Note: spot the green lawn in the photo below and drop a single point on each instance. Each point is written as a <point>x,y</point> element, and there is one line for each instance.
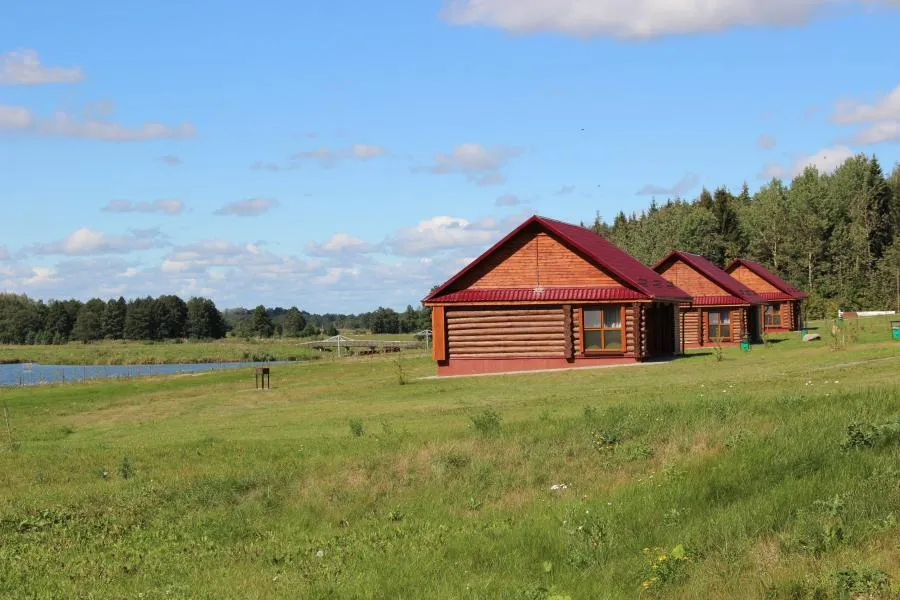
<point>134,353</point>
<point>342,483</point>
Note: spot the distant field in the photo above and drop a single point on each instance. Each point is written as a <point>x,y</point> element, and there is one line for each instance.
<point>133,353</point>
<point>770,474</point>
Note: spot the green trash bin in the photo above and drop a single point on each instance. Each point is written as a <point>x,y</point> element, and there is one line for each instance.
<point>895,330</point>
<point>745,344</point>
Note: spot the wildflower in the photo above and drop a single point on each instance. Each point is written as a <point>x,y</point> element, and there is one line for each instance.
<point>662,558</point>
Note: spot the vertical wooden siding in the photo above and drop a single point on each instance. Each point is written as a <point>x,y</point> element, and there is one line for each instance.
<point>690,280</point>
<point>536,260</point>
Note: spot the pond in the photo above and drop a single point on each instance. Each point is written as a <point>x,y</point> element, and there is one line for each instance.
<point>34,373</point>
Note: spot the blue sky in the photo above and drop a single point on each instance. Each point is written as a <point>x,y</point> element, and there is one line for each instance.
<point>339,155</point>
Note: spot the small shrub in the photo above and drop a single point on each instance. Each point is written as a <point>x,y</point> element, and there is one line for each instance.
<point>718,351</point>
<point>605,441</point>
<point>666,568</point>
<point>457,460</point>
<point>863,583</point>
<point>125,469</point>
<point>868,435</point>
<point>356,427</point>
<point>400,370</point>
<point>487,422</point>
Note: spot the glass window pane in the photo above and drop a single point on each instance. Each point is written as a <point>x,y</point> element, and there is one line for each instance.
<point>725,317</point>
<point>713,319</point>
<point>593,340</point>
<point>725,331</point>
<point>592,319</point>
<point>612,317</point>
<point>613,340</point>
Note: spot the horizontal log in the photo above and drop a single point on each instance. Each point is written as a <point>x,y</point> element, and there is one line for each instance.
<point>452,314</point>
<point>517,315</point>
<point>517,355</point>
<point>531,326</point>
<point>516,321</point>
<point>513,344</point>
<point>505,335</point>
<point>508,351</point>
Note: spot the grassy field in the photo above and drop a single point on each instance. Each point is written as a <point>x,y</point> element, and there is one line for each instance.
<point>770,474</point>
<point>142,353</point>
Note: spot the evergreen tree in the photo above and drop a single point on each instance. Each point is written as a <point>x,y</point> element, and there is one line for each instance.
<point>170,314</point>
<point>89,323</point>
<point>204,321</point>
<point>261,322</point>
<point>114,319</point>
<point>139,320</point>
<point>293,322</point>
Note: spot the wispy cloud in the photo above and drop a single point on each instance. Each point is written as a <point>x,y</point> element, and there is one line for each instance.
<point>328,157</point>
<point>825,160</point>
<point>564,190</point>
<point>766,142</point>
<point>340,243</point>
<point>685,184</point>
<point>508,200</point>
<point>880,119</point>
<point>168,207</point>
<point>22,120</point>
<point>639,20</point>
<point>170,160</point>
<point>482,164</point>
<point>85,241</point>
<point>23,67</point>
<point>251,207</point>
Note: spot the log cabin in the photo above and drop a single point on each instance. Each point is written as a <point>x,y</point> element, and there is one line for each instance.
<point>722,309</point>
<point>551,295</point>
<point>783,302</point>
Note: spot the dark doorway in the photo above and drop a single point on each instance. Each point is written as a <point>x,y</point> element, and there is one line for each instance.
<point>754,328</point>
<point>660,330</point>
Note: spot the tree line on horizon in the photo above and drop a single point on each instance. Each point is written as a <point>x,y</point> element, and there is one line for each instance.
<point>27,321</point>
<point>836,236</point>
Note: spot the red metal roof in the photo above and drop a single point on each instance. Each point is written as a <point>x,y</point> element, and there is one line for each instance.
<point>775,296</point>
<point>719,301</point>
<point>781,284</point>
<point>596,294</point>
<point>714,274</point>
<point>602,253</point>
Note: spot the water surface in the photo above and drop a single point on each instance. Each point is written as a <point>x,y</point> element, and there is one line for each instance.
<point>34,373</point>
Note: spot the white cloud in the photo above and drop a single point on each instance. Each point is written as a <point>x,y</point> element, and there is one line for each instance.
<point>880,119</point>
<point>4,253</point>
<point>85,241</point>
<point>686,183</point>
<point>251,207</point>
<point>825,160</point>
<point>15,117</point>
<point>508,200</point>
<point>168,207</point>
<point>23,67</point>
<point>766,142</point>
<point>328,157</point>
<point>443,233</point>
<point>340,243</point>
<point>64,125</point>
<point>482,164</point>
<point>564,190</point>
<point>637,19</point>
<point>336,275</point>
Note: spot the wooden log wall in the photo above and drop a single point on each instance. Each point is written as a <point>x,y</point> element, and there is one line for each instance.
<point>641,316</point>
<point>512,332</point>
<point>631,329</point>
<point>691,326</point>
<point>677,318</point>
<point>438,334</point>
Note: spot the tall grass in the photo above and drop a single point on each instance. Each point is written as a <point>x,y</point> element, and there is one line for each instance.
<point>773,474</point>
